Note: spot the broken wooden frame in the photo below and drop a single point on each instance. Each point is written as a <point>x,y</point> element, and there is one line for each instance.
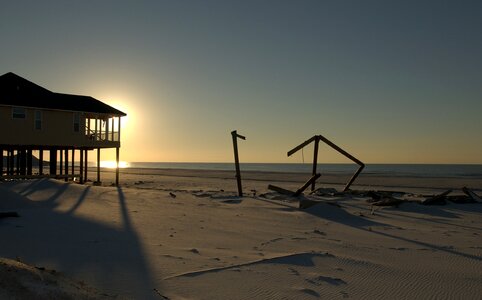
<point>235,136</point>
<point>316,139</point>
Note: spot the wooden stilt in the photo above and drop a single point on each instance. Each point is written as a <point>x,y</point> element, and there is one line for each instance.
<point>1,162</point>
<point>29,157</point>
<point>117,166</point>
<point>12,162</point>
<point>61,165</point>
<point>53,161</point>
<point>98,165</point>
<point>81,166</point>
<point>19,162</point>
<point>86,165</point>
<point>41,161</point>
<point>7,160</point>
<point>66,152</point>
<point>73,162</point>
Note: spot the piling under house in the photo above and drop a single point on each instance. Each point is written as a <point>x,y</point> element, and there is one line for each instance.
<point>57,127</point>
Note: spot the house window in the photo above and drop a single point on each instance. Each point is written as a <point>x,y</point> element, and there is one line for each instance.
<point>38,120</point>
<point>76,122</point>
<point>18,113</point>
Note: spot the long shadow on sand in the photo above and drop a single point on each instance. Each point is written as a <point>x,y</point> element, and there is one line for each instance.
<point>103,255</point>
<point>427,245</point>
<point>339,215</point>
<point>434,218</point>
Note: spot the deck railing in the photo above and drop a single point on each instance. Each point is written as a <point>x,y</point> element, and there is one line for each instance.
<point>103,136</point>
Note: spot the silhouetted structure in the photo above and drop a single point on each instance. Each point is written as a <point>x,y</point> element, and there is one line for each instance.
<point>33,118</point>
<point>316,139</point>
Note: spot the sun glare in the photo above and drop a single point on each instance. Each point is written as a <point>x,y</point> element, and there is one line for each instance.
<point>110,164</point>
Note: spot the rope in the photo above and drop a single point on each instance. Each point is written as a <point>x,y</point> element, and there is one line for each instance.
<point>302,155</point>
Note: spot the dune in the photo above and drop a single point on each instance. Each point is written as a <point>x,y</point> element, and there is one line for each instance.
<point>184,235</point>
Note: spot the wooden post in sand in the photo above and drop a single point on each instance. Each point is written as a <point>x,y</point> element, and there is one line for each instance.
<point>235,137</point>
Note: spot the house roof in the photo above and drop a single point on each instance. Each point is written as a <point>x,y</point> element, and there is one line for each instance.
<point>18,91</point>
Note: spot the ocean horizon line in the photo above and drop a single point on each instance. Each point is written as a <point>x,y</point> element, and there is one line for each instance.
<point>409,170</point>
<point>297,163</point>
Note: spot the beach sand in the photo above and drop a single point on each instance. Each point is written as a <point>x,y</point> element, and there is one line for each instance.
<point>181,234</point>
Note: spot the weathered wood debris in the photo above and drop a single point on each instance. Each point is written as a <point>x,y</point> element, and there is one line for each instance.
<point>378,198</point>
<point>316,140</point>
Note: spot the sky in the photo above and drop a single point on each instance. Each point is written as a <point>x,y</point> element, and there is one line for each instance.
<point>388,81</point>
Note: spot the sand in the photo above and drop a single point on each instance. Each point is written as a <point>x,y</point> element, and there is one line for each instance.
<point>178,234</point>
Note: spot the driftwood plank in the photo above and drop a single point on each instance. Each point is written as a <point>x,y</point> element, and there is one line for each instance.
<point>308,183</point>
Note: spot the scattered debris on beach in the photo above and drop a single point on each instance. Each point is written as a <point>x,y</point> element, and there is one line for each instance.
<point>316,139</point>
<point>374,198</point>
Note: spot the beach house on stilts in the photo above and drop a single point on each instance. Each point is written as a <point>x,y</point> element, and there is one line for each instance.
<point>55,126</point>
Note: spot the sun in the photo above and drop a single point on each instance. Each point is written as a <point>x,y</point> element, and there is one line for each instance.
<point>110,164</point>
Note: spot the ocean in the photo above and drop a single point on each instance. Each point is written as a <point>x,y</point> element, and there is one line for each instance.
<point>408,170</point>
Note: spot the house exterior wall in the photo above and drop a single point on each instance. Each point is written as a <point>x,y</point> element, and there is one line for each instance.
<point>57,130</point>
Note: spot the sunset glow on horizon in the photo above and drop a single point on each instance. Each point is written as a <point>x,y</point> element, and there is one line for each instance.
<point>111,164</point>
